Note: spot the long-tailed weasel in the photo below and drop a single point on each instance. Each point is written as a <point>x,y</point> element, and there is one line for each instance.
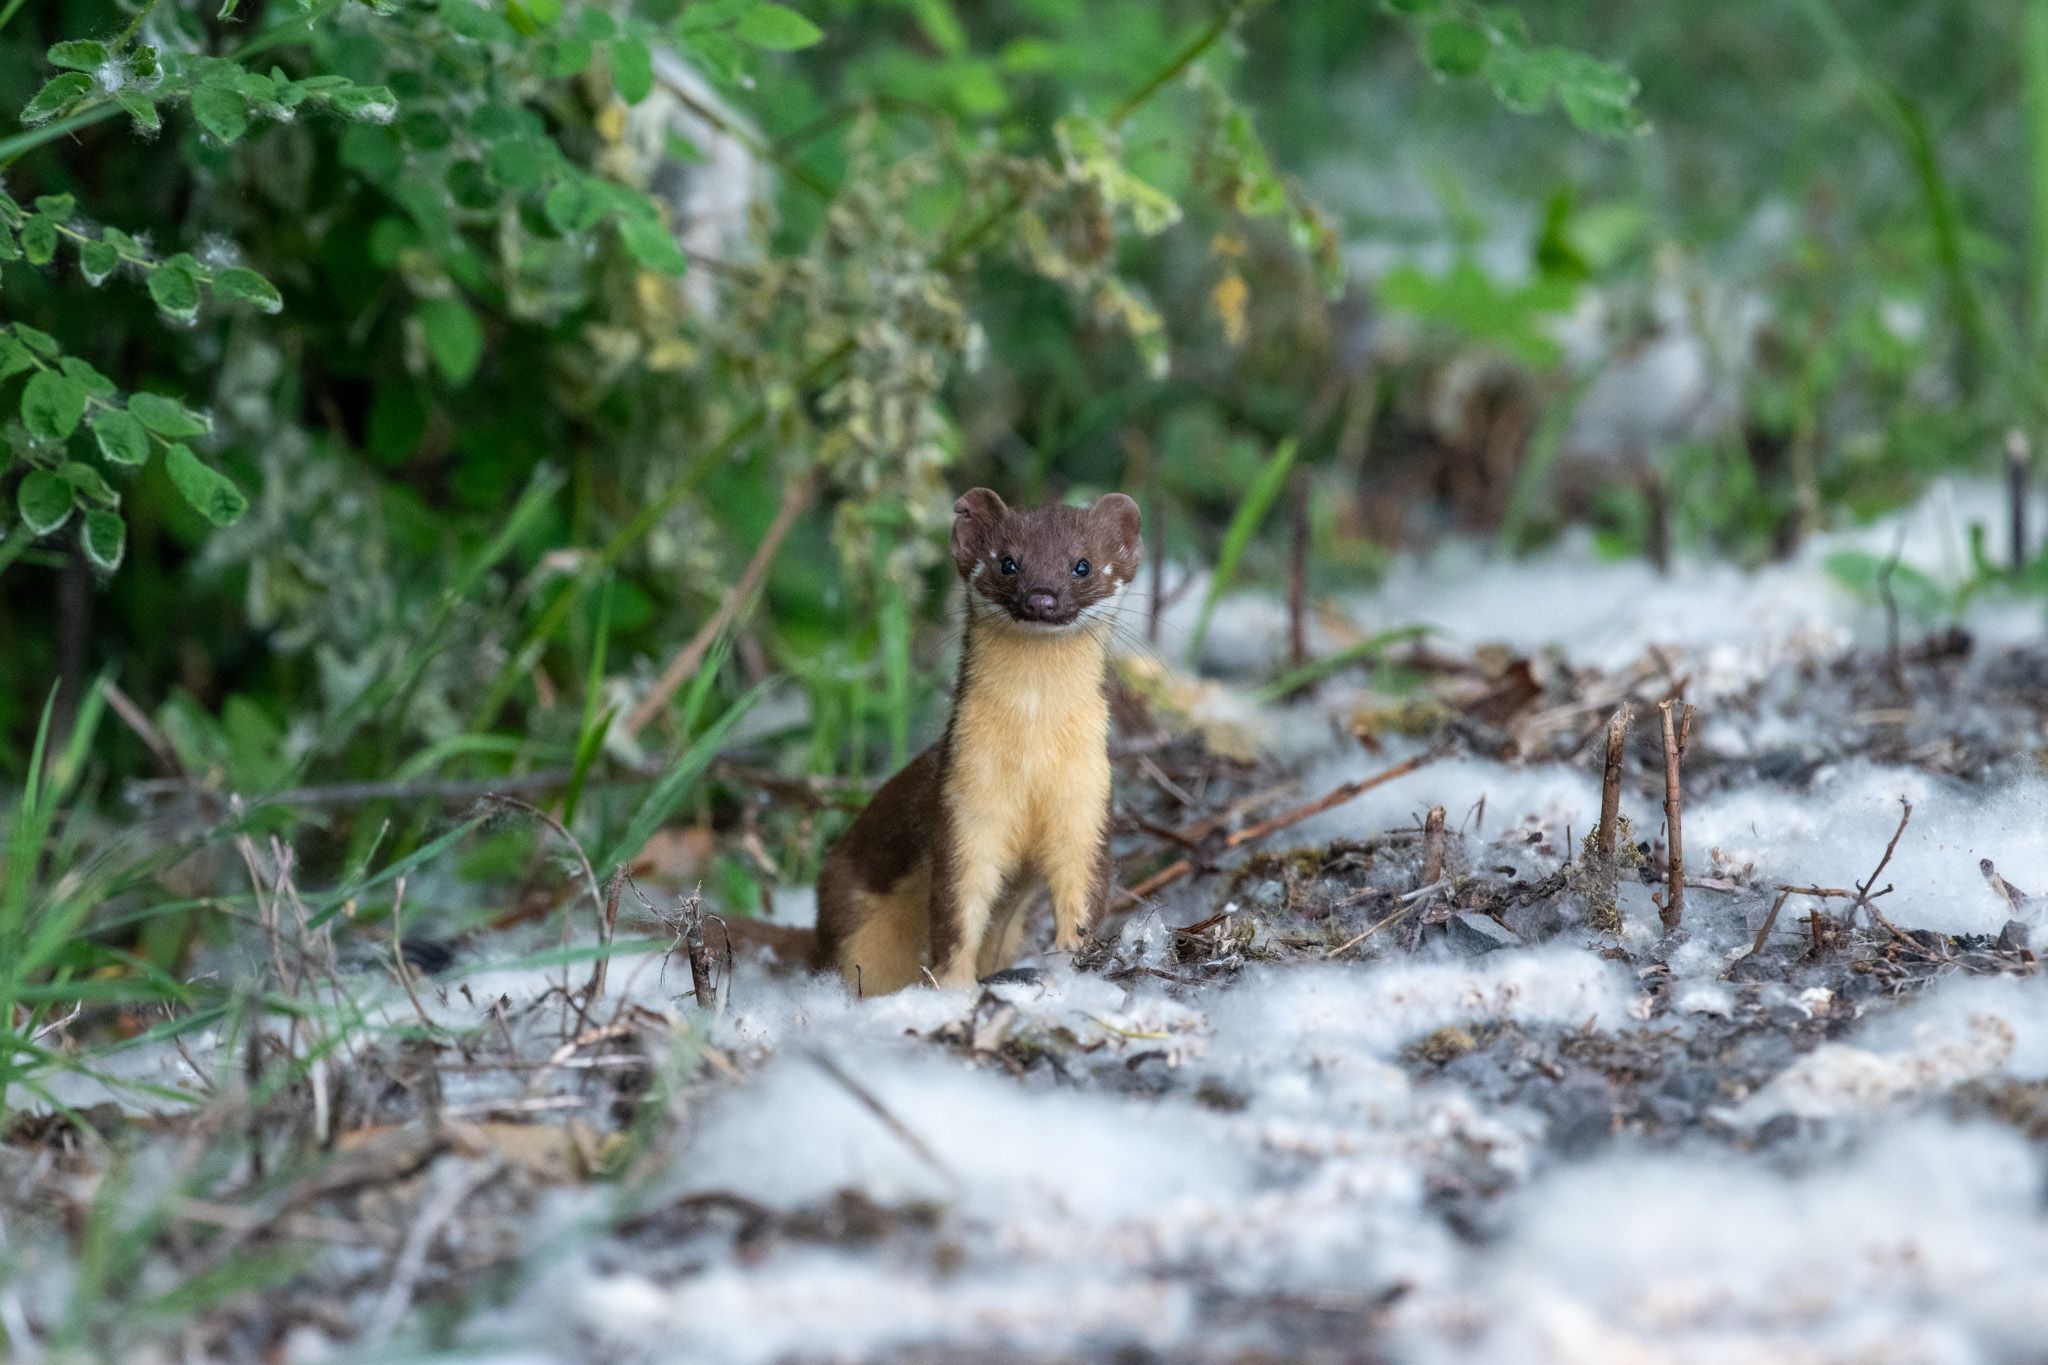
<point>931,874</point>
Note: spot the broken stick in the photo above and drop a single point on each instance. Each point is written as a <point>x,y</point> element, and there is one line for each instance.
<point>1677,719</point>
<point>1601,905</point>
<point>1433,846</point>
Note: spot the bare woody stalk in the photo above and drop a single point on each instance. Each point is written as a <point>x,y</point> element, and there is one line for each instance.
<point>1600,896</point>
<point>1677,721</point>
<point>1433,846</point>
<point>700,956</point>
<point>737,601</point>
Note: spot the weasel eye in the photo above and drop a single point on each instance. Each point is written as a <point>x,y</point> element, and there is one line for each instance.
<point>1080,568</point>
<point>1009,564</point>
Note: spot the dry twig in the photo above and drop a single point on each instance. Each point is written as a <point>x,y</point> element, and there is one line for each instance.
<point>1336,796</point>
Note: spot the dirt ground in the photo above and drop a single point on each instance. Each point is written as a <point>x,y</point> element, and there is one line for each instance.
<point>1384,1078</point>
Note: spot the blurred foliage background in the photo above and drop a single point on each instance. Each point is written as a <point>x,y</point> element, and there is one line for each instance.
<point>400,391</point>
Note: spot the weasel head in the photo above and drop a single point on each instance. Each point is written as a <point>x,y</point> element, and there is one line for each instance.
<point>1045,569</point>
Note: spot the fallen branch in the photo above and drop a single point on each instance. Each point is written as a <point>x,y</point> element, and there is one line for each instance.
<point>1181,868</point>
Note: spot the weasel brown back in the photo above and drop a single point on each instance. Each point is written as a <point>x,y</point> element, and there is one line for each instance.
<point>930,875</point>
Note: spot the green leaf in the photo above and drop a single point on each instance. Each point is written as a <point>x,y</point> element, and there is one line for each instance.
<point>140,108</point>
<point>42,343</point>
<point>777,27</point>
<point>51,405</point>
<point>1258,500</point>
<point>44,501</point>
<point>59,94</point>
<point>121,438</point>
<point>571,55</point>
<point>521,162</point>
<point>39,240</point>
<point>89,483</point>
<point>455,339</point>
<point>1453,47</point>
<point>531,16</point>
<point>105,538</point>
<point>221,110</point>
<point>246,286</point>
<point>651,245</point>
<point>370,103</point>
<point>86,377</point>
<point>211,493</point>
<point>80,54</point>
<point>97,260</point>
<point>572,206</point>
<point>475,22</point>
<point>10,248</point>
<point>1600,98</point>
<point>632,70</point>
<point>14,357</point>
<point>167,417</point>
<point>175,289</point>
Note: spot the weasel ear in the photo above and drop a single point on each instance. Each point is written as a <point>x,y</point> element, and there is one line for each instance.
<point>1117,516</point>
<point>976,514</point>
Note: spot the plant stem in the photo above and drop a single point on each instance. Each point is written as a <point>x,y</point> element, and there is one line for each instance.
<point>2034,58</point>
<point>1187,57</point>
<point>21,144</point>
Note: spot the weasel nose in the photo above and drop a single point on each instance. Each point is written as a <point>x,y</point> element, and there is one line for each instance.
<point>1041,603</point>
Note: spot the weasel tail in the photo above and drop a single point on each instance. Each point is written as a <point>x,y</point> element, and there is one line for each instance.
<point>930,878</point>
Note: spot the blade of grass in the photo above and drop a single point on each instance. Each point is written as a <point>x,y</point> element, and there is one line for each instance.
<point>1902,118</point>
<point>1365,651</point>
<point>24,858</point>
<point>331,903</point>
<point>1258,500</point>
<point>391,693</point>
<point>675,785</point>
<point>2034,58</point>
<point>1544,445</point>
<point>597,718</point>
